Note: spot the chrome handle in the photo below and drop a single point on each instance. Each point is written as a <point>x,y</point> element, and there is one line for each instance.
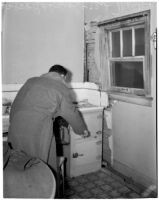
<point>75,155</point>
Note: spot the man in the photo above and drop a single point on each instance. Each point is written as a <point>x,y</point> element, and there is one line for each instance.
<point>39,101</point>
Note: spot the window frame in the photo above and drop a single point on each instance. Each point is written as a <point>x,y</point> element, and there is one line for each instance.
<point>134,21</point>
<point>128,90</point>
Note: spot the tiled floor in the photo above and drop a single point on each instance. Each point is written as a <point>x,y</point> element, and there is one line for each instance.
<point>102,184</point>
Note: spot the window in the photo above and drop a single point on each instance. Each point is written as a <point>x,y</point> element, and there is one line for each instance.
<point>127,74</point>
<point>128,54</point>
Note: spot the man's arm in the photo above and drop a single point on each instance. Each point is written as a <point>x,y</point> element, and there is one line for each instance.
<point>71,114</point>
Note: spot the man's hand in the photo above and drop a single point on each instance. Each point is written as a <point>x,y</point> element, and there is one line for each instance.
<point>86,133</point>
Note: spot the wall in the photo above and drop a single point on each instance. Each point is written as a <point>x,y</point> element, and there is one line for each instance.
<point>37,35</point>
<point>93,73</point>
<point>133,126</point>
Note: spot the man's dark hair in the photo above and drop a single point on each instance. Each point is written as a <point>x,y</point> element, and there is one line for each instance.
<point>59,69</point>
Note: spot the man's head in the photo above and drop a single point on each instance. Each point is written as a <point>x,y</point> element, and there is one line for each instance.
<point>59,69</point>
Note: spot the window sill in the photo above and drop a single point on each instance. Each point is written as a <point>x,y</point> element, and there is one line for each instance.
<point>129,98</point>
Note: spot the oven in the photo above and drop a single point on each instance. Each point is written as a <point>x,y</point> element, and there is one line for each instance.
<point>84,155</point>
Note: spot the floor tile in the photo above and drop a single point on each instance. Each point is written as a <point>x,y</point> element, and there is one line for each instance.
<point>103,196</point>
<point>86,194</point>
<point>116,185</point>
<point>134,195</point>
<point>99,182</point>
<point>90,185</point>
<point>93,177</point>
<point>96,191</point>
<point>82,180</point>
<point>124,189</point>
<point>74,197</point>
<point>114,194</point>
<point>79,188</point>
<point>99,185</point>
<point>106,187</point>
<point>109,179</point>
<point>69,192</point>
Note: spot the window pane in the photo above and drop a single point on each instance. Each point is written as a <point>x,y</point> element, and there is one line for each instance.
<point>116,44</point>
<point>127,43</point>
<point>127,74</point>
<point>139,41</point>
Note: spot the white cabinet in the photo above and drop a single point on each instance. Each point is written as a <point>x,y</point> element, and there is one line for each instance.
<point>84,155</point>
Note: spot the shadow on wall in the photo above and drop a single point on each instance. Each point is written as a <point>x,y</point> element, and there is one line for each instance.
<point>107,146</point>
<point>69,76</point>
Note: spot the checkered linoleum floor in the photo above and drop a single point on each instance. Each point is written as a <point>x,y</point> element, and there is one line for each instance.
<point>102,184</point>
